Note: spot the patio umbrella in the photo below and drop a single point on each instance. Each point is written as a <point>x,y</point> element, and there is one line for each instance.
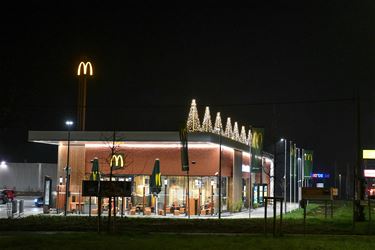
<point>94,176</point>
<point>155,179</point>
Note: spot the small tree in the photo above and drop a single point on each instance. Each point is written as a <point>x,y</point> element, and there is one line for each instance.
<point>114,144</point>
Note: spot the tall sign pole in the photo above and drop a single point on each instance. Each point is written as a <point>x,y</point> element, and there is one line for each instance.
<point>359,194</point>
<point>185,160</point>
<point>67,170</point>
<point>84,70</point>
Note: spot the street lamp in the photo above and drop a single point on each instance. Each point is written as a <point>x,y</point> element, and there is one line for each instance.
<point>165,195</point>
<point>340,186</point>
<point>219,176</point>
<point>285,142</point>
<point>3,165</point>
<point>212,197</point>
<point>58,193</point>
<point>69,124</point>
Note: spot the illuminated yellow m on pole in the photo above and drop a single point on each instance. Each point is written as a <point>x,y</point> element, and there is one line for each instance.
<point>158,179</point>
<point>118,161</point>
<point>85,66</point>
<point>308,157</point>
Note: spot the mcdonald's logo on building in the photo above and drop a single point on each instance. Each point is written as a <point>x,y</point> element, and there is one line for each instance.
<point>308,157</point>
<point>87,68</point>
<point>117,161</point>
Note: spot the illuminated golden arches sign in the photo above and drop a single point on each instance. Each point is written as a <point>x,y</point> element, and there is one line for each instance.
<point>117,161</point>
<point>308,157</point>
<point>86,66</point>
<point>257,140</point>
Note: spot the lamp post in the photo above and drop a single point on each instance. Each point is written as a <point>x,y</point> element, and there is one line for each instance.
<point>69,124</point>
<point>340,186</point>
<point>285,141</point>
<point>165,196</point>
<point>212,197</point>
<point>58,193</point>
<point>219,176</point>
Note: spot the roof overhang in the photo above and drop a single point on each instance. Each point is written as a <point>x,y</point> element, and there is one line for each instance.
<point>131,137</point>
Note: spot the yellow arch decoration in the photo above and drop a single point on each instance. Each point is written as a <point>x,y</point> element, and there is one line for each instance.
<point>85,66</point>
<point>117,159</point>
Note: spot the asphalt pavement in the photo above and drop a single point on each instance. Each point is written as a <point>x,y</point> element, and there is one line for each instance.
<point>29,207</point>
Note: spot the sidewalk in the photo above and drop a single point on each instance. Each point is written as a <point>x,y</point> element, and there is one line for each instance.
<point>254,213</point>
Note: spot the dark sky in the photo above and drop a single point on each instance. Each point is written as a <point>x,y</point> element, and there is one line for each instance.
<point>291,68</point>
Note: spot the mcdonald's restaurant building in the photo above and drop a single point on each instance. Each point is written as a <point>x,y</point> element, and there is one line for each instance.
<point>137,152</point>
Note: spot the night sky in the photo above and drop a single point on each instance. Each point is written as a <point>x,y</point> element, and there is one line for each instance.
<point>292,69</point>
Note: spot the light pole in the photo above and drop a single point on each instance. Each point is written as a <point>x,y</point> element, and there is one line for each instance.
<point>219,176</point>
<point>58,193</point>
<point>340,186</point>
<point>285,141</point>
<point>165,196</point>
<point>212,197</point>
<point>69,124</point>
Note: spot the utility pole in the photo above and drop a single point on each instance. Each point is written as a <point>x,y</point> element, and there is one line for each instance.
<point>359,194</point>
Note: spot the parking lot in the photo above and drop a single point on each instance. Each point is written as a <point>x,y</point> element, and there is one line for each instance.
<point>29,207</point>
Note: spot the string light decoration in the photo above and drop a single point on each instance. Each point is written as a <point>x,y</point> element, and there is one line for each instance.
<point>243,135</point>
<point>218,124</point>
<point>228,129</point>
<point>207,124</point>
<point>193,123</point>
<point>236,134</point>
<point>249,137</point>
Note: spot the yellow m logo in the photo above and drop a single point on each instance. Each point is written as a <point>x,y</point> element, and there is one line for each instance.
<point>157,180</point>
<point>257,140</point>
<point>85,66</point>
<point>308,157</point>
<point>117,161</point>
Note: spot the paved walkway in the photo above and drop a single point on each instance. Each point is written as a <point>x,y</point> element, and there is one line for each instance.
<point>254,213</point>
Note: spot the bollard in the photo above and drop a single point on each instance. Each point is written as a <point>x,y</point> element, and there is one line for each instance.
<point>20,208</point>
<point>14,207</point>
<point>9,210</point>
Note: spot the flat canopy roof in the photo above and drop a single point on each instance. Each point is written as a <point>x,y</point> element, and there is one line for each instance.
<point>97,137</point>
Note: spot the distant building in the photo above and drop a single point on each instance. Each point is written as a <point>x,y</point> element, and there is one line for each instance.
<point>27,177</point>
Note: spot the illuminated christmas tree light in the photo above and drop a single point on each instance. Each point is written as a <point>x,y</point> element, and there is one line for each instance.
<point>218,124</point>
<point>228,129</point>
<point>193,123</point>
<point>207,124</point>
<point>236,134</point>
<point>249,136</point>
<point>243,135</point>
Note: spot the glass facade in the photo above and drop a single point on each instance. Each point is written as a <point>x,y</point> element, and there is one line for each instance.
<point>202,196</point>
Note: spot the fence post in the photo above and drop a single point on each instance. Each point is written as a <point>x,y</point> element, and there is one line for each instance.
<point>281,215</point>
<point>265,216</point>
<point>274,217</point>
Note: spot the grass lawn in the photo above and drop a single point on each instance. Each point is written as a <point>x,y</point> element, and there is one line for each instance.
<point>340,224</point>
<point>86,240</point>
